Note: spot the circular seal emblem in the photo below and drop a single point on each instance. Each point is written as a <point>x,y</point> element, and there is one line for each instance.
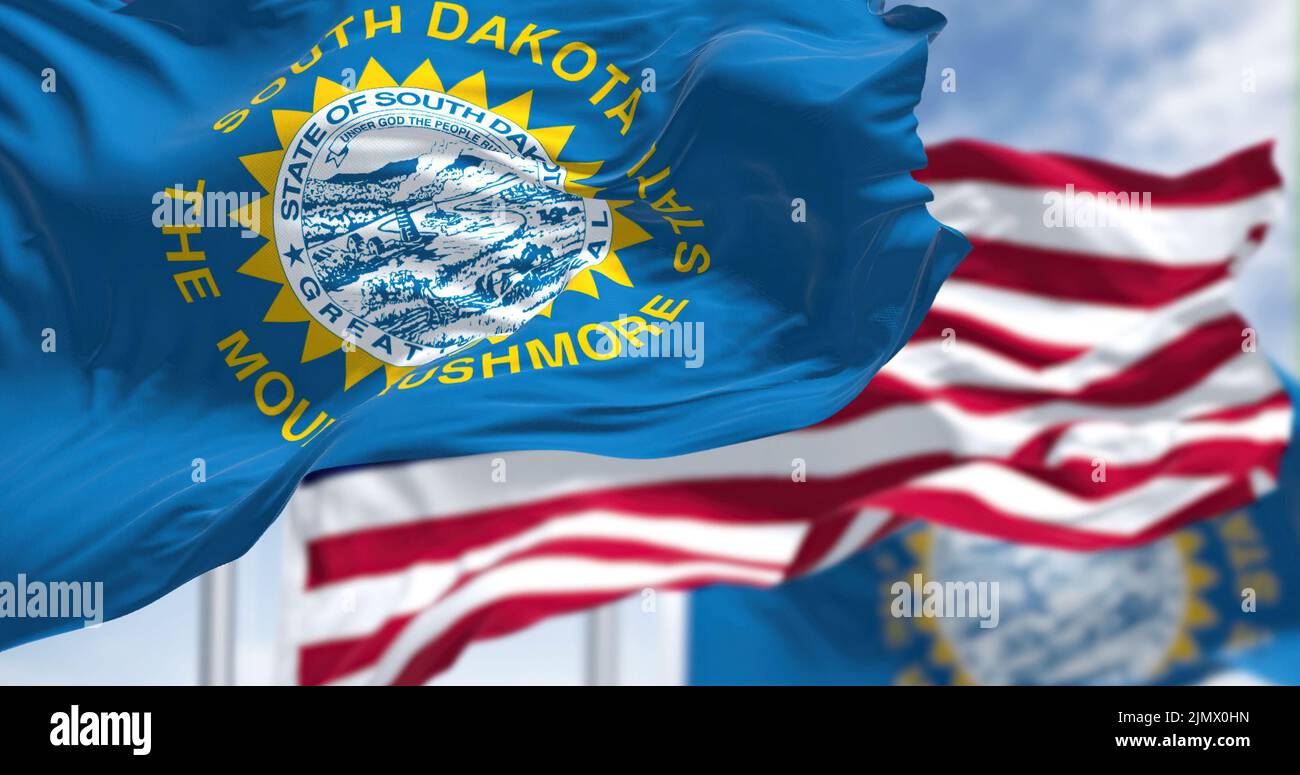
<point>1066,617</point>
<point>413,224</point>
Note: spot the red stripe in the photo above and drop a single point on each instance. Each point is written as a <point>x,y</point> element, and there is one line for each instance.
<point>493,621</point>
<point>1084,278</point>
<point>825,537</point>
<point>821,539</point>
<point>1034,353</point>
<point>1243,174</point>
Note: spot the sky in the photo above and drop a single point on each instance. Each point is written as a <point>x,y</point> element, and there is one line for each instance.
<point>1165,86</point>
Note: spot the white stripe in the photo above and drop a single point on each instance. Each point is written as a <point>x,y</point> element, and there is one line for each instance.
<point>936,363</point>
<point>673,614</point>
<point>855,536</point>
<point>359,606</point>
<point>1125,444</point>
<point>403,493</point>
<point>1025,497</point>
<point>547,576</point>
<point>1171,236</point>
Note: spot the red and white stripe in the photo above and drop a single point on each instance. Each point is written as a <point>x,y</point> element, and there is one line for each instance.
<point>1050,350</point>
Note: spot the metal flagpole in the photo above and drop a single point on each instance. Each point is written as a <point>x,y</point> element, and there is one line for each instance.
<point>602,646</point>
<point>217,626</point>
<point>672,613</point>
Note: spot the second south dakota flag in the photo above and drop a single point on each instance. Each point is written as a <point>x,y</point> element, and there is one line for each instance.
<point>244,241</point>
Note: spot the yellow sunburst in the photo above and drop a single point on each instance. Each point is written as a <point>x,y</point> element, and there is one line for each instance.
<point>1197,613</point>
<point>941,652</point>
<point>264,264</point>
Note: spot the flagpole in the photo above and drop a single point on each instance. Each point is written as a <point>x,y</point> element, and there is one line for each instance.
<point>602,646</point>
<point>673,614</point>
<point>217,626</point>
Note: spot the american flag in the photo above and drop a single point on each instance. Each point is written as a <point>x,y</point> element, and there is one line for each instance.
<point>1082,381</point>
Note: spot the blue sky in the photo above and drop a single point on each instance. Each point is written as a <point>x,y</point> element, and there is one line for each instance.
<point>1153,85</point>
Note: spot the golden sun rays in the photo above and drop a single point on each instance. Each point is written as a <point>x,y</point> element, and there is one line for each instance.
<point>264,264</point>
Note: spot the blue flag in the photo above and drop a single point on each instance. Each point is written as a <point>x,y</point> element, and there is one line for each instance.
<point>932,605</point>
<point>243,241</point>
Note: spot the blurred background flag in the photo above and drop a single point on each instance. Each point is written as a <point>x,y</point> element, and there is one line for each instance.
<point>1214,602</point>
<point>1081,382</point>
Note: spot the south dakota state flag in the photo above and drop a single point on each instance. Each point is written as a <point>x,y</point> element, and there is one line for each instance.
<point>242,241</point>
<point>1215,601</point>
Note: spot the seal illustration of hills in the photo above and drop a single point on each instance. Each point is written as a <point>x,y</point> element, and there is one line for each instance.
<point>445,248</point>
